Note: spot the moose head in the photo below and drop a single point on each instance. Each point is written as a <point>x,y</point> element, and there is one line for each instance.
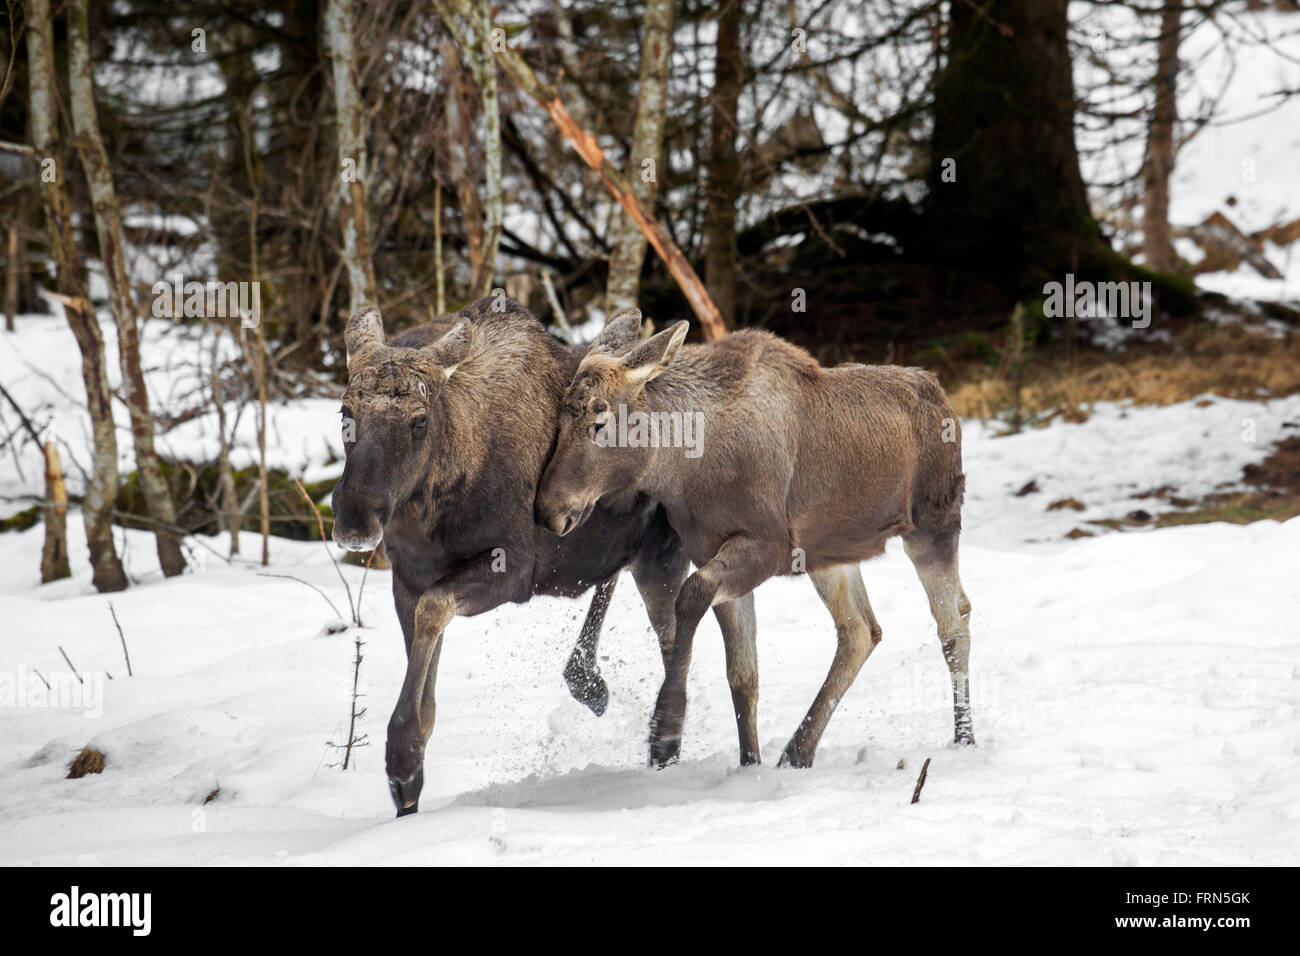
<point>590,459</point>
<point>396,423</point>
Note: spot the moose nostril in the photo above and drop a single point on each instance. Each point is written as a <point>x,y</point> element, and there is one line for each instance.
<point>568,525</point>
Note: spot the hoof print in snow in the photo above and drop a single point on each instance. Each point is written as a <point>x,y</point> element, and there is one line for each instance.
<point>87,761</point>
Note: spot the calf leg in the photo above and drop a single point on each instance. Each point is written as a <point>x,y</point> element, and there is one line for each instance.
<point>740,565</point>
<point>659,581</point>
<point>658,578</point>
<point>857,633</point>
<point>739,639</point>
<point>935,560</point>
<point>582,673</point>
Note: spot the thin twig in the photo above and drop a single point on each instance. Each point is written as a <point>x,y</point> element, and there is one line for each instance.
<point>352,720</point>
<point>43,680</point>
<point>290,577</point>
<point>125,652</point>
<point>70,664</point>
<point>920,781</point>
<point>320,524</point>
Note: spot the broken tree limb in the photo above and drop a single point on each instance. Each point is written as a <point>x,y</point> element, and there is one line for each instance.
<point>548,97</point>
<point>920,781</point>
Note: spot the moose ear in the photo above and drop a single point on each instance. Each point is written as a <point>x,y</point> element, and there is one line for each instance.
<point>450,350</point>
<point>622,329</point>
<point>363,337</point>
<point>653,355</point>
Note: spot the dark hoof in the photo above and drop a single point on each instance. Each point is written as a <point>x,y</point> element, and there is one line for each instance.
<point>665,752</point>
<point>964,740</point>
<point>588,689</point>
<point>406,793</point>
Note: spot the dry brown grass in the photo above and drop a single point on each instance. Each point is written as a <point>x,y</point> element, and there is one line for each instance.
<point>1226,361</point>
<point>87,761</point>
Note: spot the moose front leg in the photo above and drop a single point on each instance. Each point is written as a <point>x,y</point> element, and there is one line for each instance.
<point>476,586</point>
<point>740,565</point>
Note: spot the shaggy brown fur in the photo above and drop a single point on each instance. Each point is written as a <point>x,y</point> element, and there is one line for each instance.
<point>446,431</point>
<point>803,468</point>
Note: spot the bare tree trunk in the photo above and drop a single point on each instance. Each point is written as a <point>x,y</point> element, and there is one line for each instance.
<point>1005,194</point>
<point>263,478</point>
<point>1156,244</point>
<point>225,478</point>
<point>647,144</point>
<point>13,274</point>
<point>54,553</point>
<point>459,166</point>
<point>724,165</point>
<point>101,487</point>
<point>614,181</point>
<point>340,44</point>
<point>108,226</point>
<point>440,278</point>
<point>493,201</point>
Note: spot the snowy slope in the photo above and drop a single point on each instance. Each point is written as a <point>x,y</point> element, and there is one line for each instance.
<point>1136,702</point>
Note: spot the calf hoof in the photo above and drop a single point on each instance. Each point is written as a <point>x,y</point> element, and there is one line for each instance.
<point>587,687</point>
<point>966,739</point>
<point>665,752</point>
<point>406,793</point>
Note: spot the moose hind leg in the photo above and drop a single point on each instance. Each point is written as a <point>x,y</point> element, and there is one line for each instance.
<point>857,633</point>
<point>582,673</point>
<point>936,566</point>
<point>739,639</point>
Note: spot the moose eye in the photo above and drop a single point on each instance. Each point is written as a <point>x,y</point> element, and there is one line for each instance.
<point>419,423</point>
<point>598,407</point>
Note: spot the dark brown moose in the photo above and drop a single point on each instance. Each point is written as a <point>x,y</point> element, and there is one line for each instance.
<point>790,467</point>
<point>446,431</point>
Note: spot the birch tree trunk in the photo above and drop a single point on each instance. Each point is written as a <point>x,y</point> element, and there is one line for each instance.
<point>548,98</point>
<point>101,487</point>
<point>647,144</point>
<point>108,226</point>
<point>1156,244</point>
<point>724,166</point>
<point>493,201</point>
<point>353,208</point>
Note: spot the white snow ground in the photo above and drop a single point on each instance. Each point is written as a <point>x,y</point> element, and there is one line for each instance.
<point>1135,693</point>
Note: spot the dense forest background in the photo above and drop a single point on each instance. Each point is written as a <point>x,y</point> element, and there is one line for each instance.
<point>879,180</point>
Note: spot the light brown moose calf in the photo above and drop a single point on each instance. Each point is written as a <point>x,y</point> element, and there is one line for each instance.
<point>792,467</point>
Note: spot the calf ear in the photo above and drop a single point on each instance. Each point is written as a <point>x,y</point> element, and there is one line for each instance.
<point>622,329</point>
<point>364,337</point>
<point>449,350</point>
<point>653,355</point>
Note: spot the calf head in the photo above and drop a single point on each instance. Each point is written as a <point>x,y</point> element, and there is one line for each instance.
<point>590,458</point>
<point>395,424</point>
